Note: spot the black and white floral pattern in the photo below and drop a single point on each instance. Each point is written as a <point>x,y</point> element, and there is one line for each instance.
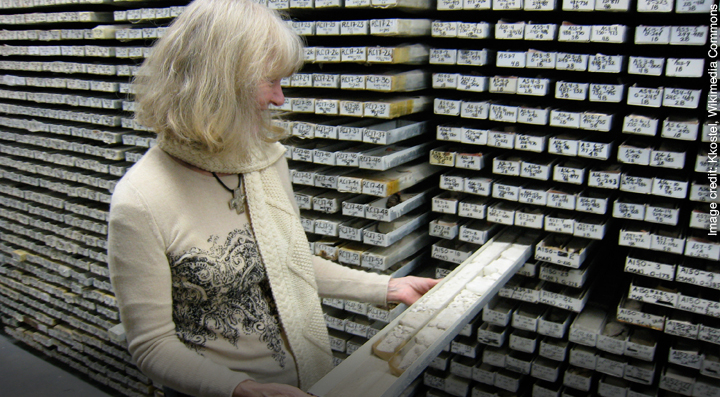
<point>223,292</point>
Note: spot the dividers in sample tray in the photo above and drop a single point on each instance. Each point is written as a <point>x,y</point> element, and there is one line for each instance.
<point>369,375</point>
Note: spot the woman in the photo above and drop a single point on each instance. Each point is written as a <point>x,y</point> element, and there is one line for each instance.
<point>217,289</point>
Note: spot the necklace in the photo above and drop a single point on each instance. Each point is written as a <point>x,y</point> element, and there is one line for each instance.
<point>237,202</point>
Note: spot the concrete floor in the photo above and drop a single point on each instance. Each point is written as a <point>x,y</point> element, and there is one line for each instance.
<point>28,373</point>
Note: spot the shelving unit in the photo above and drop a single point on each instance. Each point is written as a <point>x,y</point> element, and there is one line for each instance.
<point>420,129</point>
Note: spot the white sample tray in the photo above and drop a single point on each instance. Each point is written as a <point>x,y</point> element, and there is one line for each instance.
<point>364,374</point>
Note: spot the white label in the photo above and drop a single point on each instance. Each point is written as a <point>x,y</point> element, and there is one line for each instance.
<point>469,210</point>
<point>650,269</point>
<point>500,216</point>
<point>541,60</point>
<point>595,150</point>
<point>576,62</point>
<point>448,133</point>
<point>564,119</point>
<point>559,225</point>
<point>506,85</point>
<point>445,80</point>
<point>646,66</point>
<point>605,63</point>
<point>688,35</point>
<point>574,33</point>
<point>505,167</point>
<point>538,32</point>
<point>685,67</point>
<point>608,34</point>
<point>447,107</point>
<point>552,352</point>
<point>354,54</point>
<point>535,171</point>
<point>479,186</point>
<point>658,297</point>
<point>507,114</point>
<point>562,146</point>
<point>572,91</point>
<point>569,175</point>
<point>501,139</point>
<point>380,54</point>
<point>652,35</point>
<point>683,130</point>
<point>443,56</point>
<point>534,221</point>
<point>649,97</point>
<point>681,98</point>
<point>354,27</point>
<point>473,30</point>
<point>473,136</point>
<point>592,205</point>
<point>530,86</point>
<point>379,83</point>
<point>561,200</point>
<point>528,196</point>
<point>472,83</point>
<point>704,250</point>
<point>640,125</point>
<point>533,116</point>
<point>444,29</point>
<point>578,5</point>
<point>474,110</point>
<point>508,59</point>
<point>530,143</point>
<point>509,31</point>
<point>667,159</point>
<point>472,57</point>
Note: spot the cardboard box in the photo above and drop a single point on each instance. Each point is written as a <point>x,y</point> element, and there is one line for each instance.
<point>641,372</point>
<point>502,212</point>
<point>450,251</point>
<point>554,349</point>
<point>394,131</point>
<point>613,387</point>
<point>522,289</point>
<point>677,380</point>
<point>527,316</point>
<point>484,373</point>
<point>491,334</point>
<point>641,344</point>
<point>399,178</point>
<point>473,207</point>
<point>409,199</point>
<point>530,217</point>
<point>583,357</point>
<point>382,258</point>
<point>571,255</point>
<point>446,226</point>
<point>555,323</point>
<point>573,299</point>
<point>587,326</point>
<point>578,378</point>
<point>384,158</point>
<point>523,341</point>
<point>499,312</point>
<point>682,324</point>
<point>447,202</point>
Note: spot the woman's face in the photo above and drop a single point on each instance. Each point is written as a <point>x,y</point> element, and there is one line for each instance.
<point>269,93</point>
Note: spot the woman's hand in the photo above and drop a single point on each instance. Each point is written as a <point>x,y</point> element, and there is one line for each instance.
<point>409,289</point>
<point>250,388</point>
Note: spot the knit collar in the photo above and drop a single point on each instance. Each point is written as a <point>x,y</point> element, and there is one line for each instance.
<point>223,162</point>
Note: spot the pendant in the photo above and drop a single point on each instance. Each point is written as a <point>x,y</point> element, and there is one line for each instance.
<point>238,201</point>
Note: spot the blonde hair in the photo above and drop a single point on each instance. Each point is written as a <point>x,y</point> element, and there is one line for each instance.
<point>199,84</point>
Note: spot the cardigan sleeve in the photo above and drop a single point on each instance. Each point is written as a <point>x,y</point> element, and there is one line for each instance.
<point>340,282</point>
<point>335,280</point>
<point>141,277</point>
